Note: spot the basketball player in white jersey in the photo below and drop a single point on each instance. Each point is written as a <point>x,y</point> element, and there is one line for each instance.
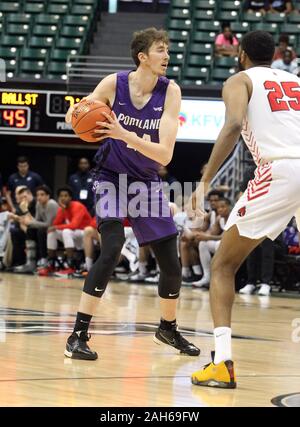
<point>264,105</point>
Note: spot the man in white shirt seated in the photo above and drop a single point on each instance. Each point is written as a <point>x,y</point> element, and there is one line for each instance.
<point>287,63</point>
<point>210,241</point>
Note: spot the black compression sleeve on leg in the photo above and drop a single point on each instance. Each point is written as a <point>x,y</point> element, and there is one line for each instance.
<point>170,269</point>
<point>112,240</point>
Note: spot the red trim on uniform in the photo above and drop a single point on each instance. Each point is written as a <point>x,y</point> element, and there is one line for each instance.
<point>251,142</point>
<point>258,195</point>
<point>260,185</point>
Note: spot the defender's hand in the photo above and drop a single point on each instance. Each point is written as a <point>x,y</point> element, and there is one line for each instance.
<point>195,206</point>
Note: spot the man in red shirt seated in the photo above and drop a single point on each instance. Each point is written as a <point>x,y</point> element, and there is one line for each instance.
<point>71,219</point>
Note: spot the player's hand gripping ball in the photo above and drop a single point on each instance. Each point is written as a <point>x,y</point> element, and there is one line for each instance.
<point>85,116</point>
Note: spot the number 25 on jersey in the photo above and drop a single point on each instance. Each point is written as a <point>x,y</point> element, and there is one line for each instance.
<point>278,90</point>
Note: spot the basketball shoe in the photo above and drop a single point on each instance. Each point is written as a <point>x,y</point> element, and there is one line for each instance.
<point>77,348</point>
<point>65,273</point>
<point>264,290</point>
<point>248,289</point>
<point>220,375</point>
<point>80,274</point>
<point>152,280</point>
<point>173,338</point>
<point>188,281</point>
<point>48,269</point>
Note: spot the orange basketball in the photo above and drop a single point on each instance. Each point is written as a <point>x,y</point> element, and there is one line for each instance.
<point>85,116</point>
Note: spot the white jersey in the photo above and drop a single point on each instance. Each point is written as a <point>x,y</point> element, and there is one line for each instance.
<point>271,129</point>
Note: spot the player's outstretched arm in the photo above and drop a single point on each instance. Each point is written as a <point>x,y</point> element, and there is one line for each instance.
<point>236,94</point>
<point>104,92</point>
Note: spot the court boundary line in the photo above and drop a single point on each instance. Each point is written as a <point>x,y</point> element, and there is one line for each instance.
<point>137,378</point>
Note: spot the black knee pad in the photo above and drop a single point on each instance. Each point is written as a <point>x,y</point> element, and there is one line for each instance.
<point>170,269</point>
<point>170,282</point>
<point>112,240</point>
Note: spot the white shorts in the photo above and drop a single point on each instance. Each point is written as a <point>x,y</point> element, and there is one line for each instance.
<point>272,198</point>
<point>70,239</point>
<point>212,245</point>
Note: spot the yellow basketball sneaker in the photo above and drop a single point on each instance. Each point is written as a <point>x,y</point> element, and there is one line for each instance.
<point>220,375</point>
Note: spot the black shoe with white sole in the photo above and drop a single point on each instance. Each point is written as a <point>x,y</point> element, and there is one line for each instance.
<point>189,280</point>
<point>173,338</point>
<point>77,348</point>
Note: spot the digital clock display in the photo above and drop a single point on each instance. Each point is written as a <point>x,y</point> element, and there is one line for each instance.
<point>58,103</point>
<point>14,118</point>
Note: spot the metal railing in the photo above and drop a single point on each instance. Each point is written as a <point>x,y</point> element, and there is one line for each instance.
<point>232,172</point>
<point>85,72</point>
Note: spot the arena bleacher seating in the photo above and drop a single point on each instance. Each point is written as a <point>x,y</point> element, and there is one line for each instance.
<point>193,26</point>
<point>37,37</point>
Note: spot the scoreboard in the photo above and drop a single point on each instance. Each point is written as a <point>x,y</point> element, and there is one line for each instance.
<point>36,112</point>
<point>42,113</point>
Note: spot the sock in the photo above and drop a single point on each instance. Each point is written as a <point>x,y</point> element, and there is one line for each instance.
<point>30,252</point>
<point>89,263</point>
<point>186,271</point>
<point>143,267</point>
<point>197,269</point>
<point>222,344</point>
<point>166,325</point>
<point>82,322</point>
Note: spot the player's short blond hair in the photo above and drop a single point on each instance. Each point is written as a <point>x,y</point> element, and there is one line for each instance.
<point>143,40</point>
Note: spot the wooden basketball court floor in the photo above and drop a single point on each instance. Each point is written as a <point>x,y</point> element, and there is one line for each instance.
<point>37,315</point>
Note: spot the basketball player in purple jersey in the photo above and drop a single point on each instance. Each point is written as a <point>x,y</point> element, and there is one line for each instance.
<point>139,136</point>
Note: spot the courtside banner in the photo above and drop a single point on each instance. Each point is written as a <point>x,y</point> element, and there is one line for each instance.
<point>200,120</point>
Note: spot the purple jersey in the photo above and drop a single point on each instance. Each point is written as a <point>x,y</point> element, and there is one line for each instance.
<point>113,154</point>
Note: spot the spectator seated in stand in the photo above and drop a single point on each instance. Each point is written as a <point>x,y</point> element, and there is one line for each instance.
<point>287,63</point>
<point>46,210</point>
<point>254,6</point>
<point>4,231</point>
<point>91,240</point>
<point>24,177</point>
<point>188,246</point>
<point>210,241</point>
<point>281,6</point>
<point>71,219</point>
<point>260,267</point>
<point>291,238</point>
<point>283,45</point>
<point>226,44</point>
<point>138,276</point>
<point>21,236</point>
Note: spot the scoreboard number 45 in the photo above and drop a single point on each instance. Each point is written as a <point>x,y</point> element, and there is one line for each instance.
<point>13,117</point>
